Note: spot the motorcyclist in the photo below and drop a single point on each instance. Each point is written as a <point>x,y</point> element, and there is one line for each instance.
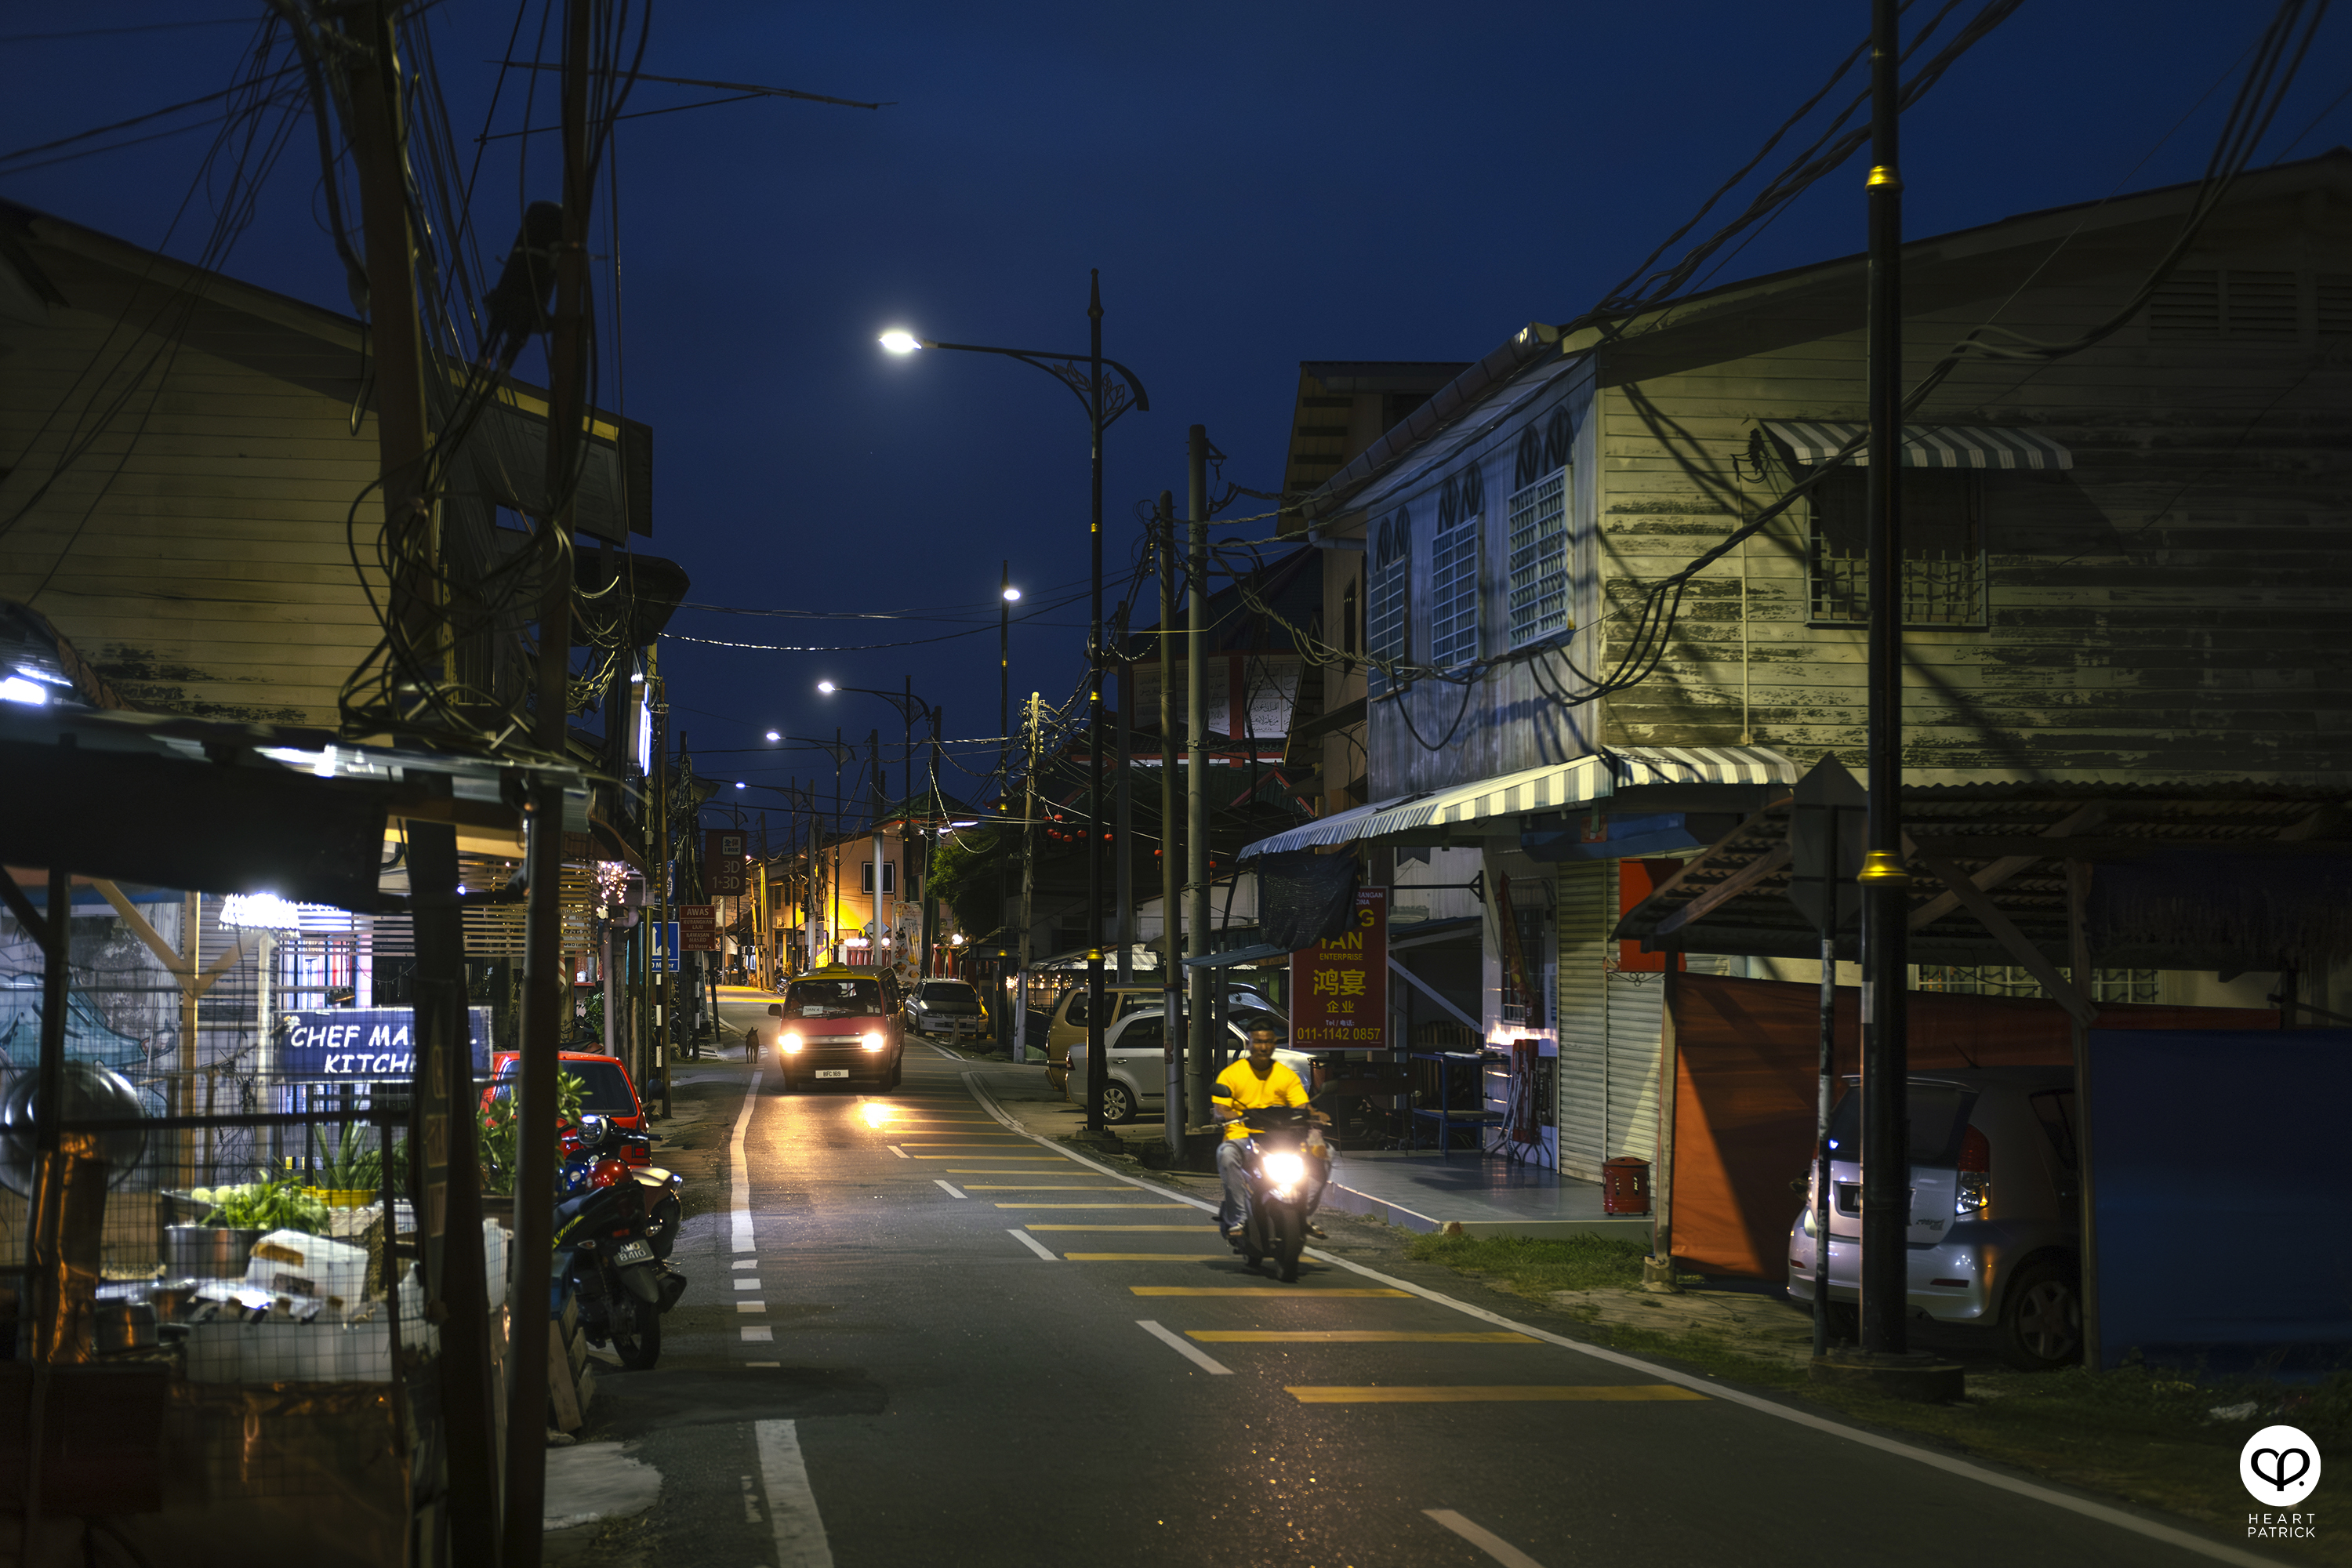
<point>1253,1083</point>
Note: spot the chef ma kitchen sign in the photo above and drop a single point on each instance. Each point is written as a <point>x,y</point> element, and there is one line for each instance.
<point>352,1044</point>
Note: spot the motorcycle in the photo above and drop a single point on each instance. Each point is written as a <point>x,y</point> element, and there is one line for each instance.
<point>598,1153</point>
<point>1282,1139</point>
<point>622,1279</point>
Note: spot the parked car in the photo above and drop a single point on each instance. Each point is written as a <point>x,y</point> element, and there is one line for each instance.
<point>606,1087</point>
<point>1995,1237</point>
<point>841,1024</point>
<point>949,1007</point>
<point>1068,1025</point>
<point>1135,1059</point>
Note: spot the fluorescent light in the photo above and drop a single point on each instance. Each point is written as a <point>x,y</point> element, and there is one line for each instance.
<point>259,911</point>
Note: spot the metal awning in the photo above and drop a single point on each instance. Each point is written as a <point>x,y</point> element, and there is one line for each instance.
<point>1926,446</point>
<point>1555,786</point>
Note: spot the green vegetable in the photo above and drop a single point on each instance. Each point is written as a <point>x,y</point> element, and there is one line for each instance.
<point>263,1206</point>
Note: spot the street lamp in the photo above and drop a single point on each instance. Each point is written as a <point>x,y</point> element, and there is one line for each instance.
<point>909,707</point>
<point>1103,402</point>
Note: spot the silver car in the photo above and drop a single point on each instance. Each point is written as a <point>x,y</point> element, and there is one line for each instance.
<point>949,1007</point>
<point>1995,1237</point>
<point>1135,1059</point>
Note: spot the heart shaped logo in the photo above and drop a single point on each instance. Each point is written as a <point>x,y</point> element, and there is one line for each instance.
<point>2279,1465</point>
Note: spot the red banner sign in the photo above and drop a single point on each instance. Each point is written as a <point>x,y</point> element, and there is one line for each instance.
<point>1340,987</point>
<point>697,928</point>
<point>723,849</point>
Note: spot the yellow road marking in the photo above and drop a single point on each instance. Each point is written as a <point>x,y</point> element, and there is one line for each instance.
<point>1141,1256</point>
<point>1355,1336</point>
<point>1508,1393</point>
<point>1184,1227</point>
<point>1287,1293</point>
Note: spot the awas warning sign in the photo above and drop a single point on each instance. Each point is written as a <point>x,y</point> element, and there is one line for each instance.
<point>1340,987</point>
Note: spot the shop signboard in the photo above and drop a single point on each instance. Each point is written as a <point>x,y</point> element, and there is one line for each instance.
<point>723,849</point>
<point>1339,986</point>
<point>365,1045</point>
<point>697,928</point>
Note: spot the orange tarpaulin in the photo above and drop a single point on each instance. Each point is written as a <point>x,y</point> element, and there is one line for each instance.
<point>1747,1052</point>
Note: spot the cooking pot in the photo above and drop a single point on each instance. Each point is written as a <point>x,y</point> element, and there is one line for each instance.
<point>208,1251</point>
<point>125,1326</point>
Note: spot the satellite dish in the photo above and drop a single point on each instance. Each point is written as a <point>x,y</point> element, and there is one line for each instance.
<point>89,1093</point>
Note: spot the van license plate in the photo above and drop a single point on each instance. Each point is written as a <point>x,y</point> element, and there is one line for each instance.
<point>833,1072</point>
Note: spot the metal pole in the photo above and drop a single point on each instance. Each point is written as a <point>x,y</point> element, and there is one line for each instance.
<point>1199,1041</point>
<point>874,905</point>
<point>930,845</point>
<point>1171,971</point>
<point>1822,1133</point>
<point>1885,1135</point>
<point>1123,827</point>
<point>1097,1069</point>
<point>1002,1007</point>
<point>1028,870</point>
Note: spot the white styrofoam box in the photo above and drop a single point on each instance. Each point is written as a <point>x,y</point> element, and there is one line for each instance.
<point>498,1243</point>
<point>282,1351</point>
<point>293,1263</point>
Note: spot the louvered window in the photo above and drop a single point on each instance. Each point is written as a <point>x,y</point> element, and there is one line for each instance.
<point>1388,632</point>
<point>2244,304</point>
<point>1454,571</point>
<point>2335,299</point>
<point>1539,534</point>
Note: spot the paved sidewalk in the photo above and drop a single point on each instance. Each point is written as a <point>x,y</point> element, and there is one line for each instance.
<point>1484,1194</point>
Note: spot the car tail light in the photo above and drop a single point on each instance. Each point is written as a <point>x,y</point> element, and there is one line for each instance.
<point>1975,1190</point>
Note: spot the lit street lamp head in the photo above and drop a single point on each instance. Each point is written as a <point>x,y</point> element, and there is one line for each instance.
<point>826,686</point>
<point>1012,595</point>
<point>899,341</point>
<point>774,736</point>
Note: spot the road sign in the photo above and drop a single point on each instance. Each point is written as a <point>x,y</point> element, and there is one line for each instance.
<point>722,862</point>
<point>1828,822</point>
<point>666,946</point>
<point>1339,986</point>
<point>697,928</point>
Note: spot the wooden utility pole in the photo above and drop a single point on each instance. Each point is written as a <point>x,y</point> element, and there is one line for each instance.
<point>445,1176</point>
<point>1200,1040</point>
<point>547,1001</point>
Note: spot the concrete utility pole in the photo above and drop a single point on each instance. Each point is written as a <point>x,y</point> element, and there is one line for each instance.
<point>1199,1041</point>
<point>1028,866</point>
<point>1171,972</point>
<point>875,928</point>
<point>449,1210</point>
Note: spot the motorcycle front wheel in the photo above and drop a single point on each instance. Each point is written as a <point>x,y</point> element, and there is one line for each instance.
<point>640,1345</point>
<point>1289,1240</point>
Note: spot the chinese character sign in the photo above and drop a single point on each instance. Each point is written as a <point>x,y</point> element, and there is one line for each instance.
<point>1340,987</point>
<point>723,849</point>
<point>697,928</point>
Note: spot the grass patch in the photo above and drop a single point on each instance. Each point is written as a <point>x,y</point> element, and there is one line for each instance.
<point>1528,1267</point>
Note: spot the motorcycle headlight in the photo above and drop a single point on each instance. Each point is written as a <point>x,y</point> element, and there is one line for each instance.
<point>1284,1168</point>
<point>792,1043</point>
<point>872,1042</point>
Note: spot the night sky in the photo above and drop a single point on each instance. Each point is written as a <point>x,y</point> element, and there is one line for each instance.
<point>1260,184</point>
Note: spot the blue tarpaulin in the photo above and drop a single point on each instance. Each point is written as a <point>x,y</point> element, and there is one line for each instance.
<point>2221,1189</point>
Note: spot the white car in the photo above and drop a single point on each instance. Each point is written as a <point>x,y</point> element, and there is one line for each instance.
<point>1135,1058</point>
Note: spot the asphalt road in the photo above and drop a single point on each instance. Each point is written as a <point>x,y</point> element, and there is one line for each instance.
<point>921,1337</point>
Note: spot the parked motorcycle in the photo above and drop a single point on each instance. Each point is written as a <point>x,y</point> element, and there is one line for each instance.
<point>1282,1139</point>
<point>613,1264</point>
<point>597,1153</point>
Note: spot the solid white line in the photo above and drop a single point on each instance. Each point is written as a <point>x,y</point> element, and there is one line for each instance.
<point>1190,1353</point>
<point>947,1053</point>
<point>791,1506</point>
<point>741,1167</point>
<point>1714,1389</point>
<point>901,1152</point>
<point>1485,1540</point>
<point>1030,1242</point>
<point>951,1191</point>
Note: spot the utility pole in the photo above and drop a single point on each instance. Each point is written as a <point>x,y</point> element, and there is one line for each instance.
<point>1885,884</point>
<point>932,815</point>
<point>1123,822</point>
<point>1200,1041</point>
<point>449,1210</point>
<point>873,925</point>
<point>1028,861</point>
<point>1171,972</point>
<point>1097,1069</point>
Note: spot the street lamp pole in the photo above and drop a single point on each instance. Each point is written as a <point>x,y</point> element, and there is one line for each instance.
<point>1104,404</point>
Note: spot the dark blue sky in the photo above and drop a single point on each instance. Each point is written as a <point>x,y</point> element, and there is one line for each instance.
<point>1259,183</point>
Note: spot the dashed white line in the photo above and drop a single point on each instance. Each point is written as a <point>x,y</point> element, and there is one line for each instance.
<point>1031,1243</point>
<point>751,1306</point>
<point>1485,1540</point>
<point>760,1336</point>
<point>741,1166</point>
<point>901,1152</point>
<point>952,1191</point>
<point>1190,1353</point>
<point>750,1282</point>
<point>791,1506</point>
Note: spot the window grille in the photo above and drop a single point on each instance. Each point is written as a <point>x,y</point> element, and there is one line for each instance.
<point>1387,628</point>
<point>2009,979</point>
<point>1539,565</point>
<point>866,875</point>
<point>1943,548</point>
<point>1453,572</point>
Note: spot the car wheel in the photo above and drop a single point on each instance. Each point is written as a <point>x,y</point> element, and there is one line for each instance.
<point>2040,1323</point>
<point>1117,1102</point>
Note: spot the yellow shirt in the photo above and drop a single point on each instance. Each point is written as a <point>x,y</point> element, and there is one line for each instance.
<point>1239,1086</point>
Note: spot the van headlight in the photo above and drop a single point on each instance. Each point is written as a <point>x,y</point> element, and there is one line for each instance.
<point>792,1043</point>
<point>1284,1168</point>
<point>872,1041</point>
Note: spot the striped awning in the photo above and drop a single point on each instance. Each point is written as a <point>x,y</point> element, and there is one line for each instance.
<point>1926,446</point>
<point>1555,786</point>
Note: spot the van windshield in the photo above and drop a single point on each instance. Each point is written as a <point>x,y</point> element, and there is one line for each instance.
<point>832,998</point>
<point>1938,1114</point>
